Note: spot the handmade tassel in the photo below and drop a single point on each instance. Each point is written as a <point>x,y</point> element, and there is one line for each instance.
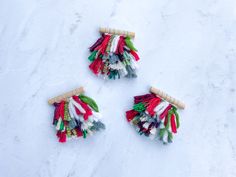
<point>114,56</point>
<point>154,117</point>
<point>77,116</point>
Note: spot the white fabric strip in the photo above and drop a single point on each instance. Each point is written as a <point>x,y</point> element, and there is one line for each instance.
<point>58,124</point>
<point>115,44</point>
<point>70,106</point>
<point>73,111</point>
<point>153,131</point>
<point>117,66</point>
<point>165,137</point>
<point>161,107</point>
<point>112,44</point>
<point>133,63</point>
<point>78,106</point>
<point>146,125</point>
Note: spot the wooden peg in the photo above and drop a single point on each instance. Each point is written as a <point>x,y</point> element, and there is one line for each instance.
<point>66,95</point>
<point>116,31</point>
<point>168,98</point>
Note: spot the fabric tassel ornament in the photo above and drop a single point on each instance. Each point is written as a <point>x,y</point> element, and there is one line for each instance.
<point>155,115</point>
<point>75,115</point>
<point>113,55</point>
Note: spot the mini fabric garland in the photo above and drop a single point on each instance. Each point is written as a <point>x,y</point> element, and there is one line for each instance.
<point>114,56</point>
<point>154,117</point>
<point>78,116</point>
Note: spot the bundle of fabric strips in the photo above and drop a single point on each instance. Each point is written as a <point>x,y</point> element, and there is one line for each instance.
<point>154,117</point>
<point>76,117</point>
<point>114,56</point>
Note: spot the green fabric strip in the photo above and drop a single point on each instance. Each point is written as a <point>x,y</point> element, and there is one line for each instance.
<point>140,107</point>
<point>66,112</point>
<point>176,116</point>
<point>129,43</point>
<point>84,133</point>
<point>89,101</point>
<point>92,56</point>
<point>62,126</point>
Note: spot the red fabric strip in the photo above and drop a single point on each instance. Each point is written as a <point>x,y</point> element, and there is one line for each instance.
<point>103,46</point>
<point>96,66</point>
<point>62,110</point>
<point>79,132</point>
<point>135,55</point>
<point>164,114</point>
<point>88,111</point>
<point>120,47</point>
<point>173,124</point>
<point>57,112</point>
<point>97,43</point>
<point>152,104</point>
<point>131,114</point>
<point>61,136</point>
<point>143,98</point>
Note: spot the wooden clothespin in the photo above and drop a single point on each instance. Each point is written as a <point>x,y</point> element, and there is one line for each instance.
<point>168,98</point>
<point>116,31</point>
<point>66,95</point>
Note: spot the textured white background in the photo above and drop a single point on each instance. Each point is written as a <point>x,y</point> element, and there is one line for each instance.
<point>187,48</point>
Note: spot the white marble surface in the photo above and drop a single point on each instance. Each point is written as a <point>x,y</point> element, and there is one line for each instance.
<point>187,48</point>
